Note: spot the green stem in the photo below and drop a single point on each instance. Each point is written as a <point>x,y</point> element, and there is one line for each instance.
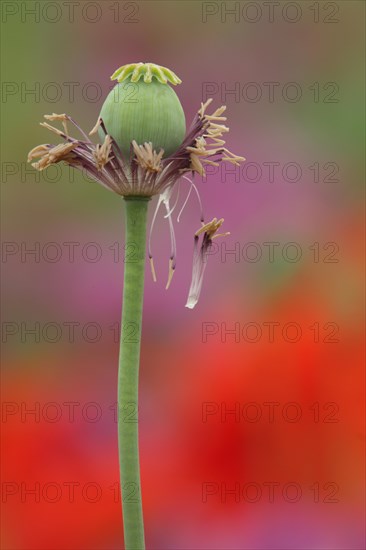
<point>128,375</point>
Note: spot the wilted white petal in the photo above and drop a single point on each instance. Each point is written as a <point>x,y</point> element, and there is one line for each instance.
<point>200,257</point>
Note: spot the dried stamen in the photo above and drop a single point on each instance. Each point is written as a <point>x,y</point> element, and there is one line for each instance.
<point>147,158</point>
<point>64,118</point>
<point>102,152</point>
<point>50,155</point>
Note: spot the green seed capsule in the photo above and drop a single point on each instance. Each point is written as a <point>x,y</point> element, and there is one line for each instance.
<point>144,110</point>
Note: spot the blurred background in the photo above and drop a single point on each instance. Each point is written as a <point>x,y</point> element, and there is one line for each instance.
<point>251,414</point>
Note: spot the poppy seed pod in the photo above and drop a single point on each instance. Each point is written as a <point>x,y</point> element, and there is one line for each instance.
<point>144,108</point>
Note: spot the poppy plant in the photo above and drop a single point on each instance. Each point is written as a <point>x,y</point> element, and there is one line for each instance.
<point>144,152</point>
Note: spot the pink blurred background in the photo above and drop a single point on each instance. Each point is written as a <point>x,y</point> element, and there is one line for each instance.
<point>293,450</point>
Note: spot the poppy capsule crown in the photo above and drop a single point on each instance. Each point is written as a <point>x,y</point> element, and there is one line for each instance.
<point>144,108</point>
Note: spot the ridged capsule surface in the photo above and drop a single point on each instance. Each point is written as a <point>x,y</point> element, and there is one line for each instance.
<point>144,112</point>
